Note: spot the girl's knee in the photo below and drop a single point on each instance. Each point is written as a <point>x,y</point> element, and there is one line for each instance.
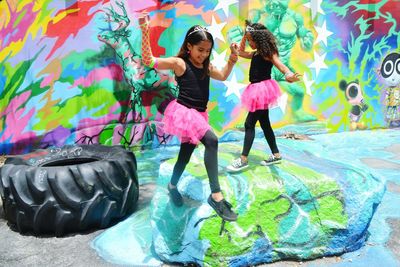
<point>210,139</point>
<point>249,126</point>
<point>213,141</point>
<point>183,161</point>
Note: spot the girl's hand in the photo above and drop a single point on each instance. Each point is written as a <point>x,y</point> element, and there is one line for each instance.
<point>144,19</point>
<point>234,48</point>
<point>292,77</point>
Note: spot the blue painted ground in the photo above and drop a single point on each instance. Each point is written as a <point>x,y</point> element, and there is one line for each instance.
<point>378,151</point>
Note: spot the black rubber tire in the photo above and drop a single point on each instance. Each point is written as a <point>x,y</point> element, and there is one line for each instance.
<point>69,189</point>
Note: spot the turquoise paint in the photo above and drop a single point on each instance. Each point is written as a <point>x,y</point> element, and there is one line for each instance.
<point>129,242</point>
<point>65,92</point>
<point>241,192</point>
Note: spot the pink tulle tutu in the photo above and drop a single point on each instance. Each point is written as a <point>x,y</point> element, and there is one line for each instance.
<point>188,124</point>
<point>261,95</point>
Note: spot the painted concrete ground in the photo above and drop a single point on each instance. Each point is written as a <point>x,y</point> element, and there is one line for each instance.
<point>349,148</point>
<point>129,241</point>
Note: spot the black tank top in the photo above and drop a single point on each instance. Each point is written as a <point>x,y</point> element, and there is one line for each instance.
<point>260,69</point>
<point>194,89</point>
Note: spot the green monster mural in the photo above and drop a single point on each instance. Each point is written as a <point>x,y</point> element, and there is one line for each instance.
<point>287,26</point>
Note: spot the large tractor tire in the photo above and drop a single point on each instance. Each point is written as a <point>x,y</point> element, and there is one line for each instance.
<point>69,189</point>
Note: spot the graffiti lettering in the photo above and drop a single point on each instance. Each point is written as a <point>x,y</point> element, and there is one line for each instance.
<point>56,152</point>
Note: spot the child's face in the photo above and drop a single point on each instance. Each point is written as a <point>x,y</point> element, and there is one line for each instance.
<point>250,41</point>
<point>200,52</point>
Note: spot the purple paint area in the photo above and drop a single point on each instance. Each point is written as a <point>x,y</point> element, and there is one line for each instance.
<point>56,137</point>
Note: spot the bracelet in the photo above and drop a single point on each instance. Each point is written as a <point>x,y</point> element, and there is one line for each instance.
<point>233,58</point>
<point>231,62</point>
<point>289,73</point>
<point>154,63</point>
<point>144,24</point>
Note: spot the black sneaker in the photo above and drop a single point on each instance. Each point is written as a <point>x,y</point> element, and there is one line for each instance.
<point>271,160</point>
<point>175,196</point>
<point>223,208</point>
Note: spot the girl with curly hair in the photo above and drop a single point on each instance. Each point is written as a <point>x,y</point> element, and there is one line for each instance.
<point>262,92</point>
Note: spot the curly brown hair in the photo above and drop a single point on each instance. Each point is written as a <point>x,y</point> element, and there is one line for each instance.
<point>265,41</point>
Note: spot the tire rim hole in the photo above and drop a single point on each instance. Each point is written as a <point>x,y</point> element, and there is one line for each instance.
<point>67,162</point>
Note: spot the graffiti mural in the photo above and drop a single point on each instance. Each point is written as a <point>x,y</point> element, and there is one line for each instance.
<point>365,33</point>
<point>139,77</point>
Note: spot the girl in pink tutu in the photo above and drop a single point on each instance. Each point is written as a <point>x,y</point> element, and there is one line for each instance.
<point>262,93</point>
<point>186,117</point>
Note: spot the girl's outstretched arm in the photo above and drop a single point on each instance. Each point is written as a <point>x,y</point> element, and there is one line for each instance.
<point>173,63</point>
<point>223,74</point>
<point>289,75</point>
<point>242,48</point>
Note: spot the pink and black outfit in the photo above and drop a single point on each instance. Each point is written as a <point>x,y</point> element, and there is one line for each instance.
<point>186,117</point>
<point>261,94</point>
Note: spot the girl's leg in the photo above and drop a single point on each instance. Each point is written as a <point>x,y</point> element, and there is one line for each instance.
<point>249,127</point>
<point>210,142</point>
<point>185,152</point>
<point>216,199</point>
<point>268,132</point>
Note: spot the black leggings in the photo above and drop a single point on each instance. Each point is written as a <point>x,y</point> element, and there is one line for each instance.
<point>210,142</point>
<point>250,124</point>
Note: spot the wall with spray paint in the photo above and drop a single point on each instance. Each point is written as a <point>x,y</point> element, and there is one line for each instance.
<point>71,71</point>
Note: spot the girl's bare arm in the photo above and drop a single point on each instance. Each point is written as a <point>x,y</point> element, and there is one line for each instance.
<point>289,75</point>
<point>242,49</point>
<point>223,74</point>
<point>173,63</point>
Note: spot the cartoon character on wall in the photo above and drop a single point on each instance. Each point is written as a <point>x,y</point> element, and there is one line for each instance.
<point>354,96</point>
<point>390,72</point>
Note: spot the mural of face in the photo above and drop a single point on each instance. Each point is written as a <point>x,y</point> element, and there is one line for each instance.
<point>276,7</point>
<point>390,69</point>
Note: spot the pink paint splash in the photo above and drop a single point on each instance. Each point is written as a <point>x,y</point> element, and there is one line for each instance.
<point>15,123</point>
<point>15,103</point>
<point>47,80</point>
<point>89,122</point>
<point>111,72</point>
<point>27,19</point>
